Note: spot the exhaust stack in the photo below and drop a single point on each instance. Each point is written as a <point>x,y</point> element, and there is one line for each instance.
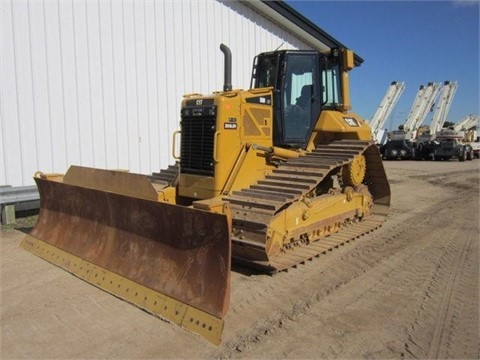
<point>227,82</point>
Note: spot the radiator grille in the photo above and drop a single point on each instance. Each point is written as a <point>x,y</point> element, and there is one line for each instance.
<point>198,130</point>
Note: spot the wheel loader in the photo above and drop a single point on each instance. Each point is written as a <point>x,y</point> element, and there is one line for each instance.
<point>267,177</point>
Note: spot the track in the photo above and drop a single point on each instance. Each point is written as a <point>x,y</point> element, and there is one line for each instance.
<point>254,208</point>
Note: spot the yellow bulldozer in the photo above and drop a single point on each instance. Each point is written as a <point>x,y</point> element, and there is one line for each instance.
<point>269,177</point>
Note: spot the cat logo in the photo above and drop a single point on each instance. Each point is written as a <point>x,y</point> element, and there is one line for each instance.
<point>351,121</point>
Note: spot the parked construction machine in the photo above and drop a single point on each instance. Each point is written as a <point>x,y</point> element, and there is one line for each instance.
<point>426,142</point>
<point>271,176</point>
<point>401,143</point>
<point>457,141</point>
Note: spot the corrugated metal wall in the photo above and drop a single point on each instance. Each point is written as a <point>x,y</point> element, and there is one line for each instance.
<point>99,83</point>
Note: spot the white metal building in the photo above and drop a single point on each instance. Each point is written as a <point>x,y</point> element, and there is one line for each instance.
<point>99,83</point>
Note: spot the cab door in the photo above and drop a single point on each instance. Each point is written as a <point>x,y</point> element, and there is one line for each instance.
<point>300,98</point>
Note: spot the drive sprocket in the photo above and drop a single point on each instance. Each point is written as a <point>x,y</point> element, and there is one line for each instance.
<point>354,172</point>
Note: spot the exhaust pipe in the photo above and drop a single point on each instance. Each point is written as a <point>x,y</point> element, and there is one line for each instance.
<point>227,82</point>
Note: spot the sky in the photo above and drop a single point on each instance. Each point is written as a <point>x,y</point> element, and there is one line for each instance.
<point>415,42</point>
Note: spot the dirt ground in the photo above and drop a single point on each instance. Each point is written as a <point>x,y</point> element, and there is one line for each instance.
<point>408,290</point>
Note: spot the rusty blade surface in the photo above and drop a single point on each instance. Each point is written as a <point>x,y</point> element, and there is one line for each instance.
<point>180,252</point>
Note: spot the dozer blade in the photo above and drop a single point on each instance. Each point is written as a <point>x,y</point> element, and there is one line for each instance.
<point>170,260</point>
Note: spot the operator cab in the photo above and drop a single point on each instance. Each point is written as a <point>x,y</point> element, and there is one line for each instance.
<point>304,83</point>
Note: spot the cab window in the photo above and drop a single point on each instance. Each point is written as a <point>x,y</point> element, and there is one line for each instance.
<point>298,96</point>
<point>266,71</point>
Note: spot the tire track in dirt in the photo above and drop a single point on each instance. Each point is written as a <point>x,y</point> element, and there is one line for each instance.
<point>263,306</point>
<point>450,294</point>
<point>460,180</point>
